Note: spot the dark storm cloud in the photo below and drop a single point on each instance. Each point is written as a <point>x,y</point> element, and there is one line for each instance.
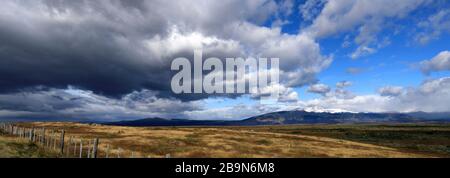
<point>86,54</point>
<point>98,46</point>
<point>114,49</point>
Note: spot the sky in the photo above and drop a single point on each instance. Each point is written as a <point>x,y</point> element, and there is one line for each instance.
<point>110,60</point>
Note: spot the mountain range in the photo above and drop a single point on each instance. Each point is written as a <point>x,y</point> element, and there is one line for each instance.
<point>297,117</point>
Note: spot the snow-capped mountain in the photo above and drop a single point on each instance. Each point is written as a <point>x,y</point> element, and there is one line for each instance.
<point>323,110</point>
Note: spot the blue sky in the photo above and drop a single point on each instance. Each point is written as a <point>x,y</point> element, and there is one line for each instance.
<point>394,64</point>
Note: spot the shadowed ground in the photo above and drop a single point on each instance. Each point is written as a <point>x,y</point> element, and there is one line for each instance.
<point>11,147</point>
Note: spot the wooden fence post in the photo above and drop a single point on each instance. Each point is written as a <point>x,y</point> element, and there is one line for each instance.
<point>62,142</point>
<point>68,146</point>
<point>43,136</point>
<point>81,148</point>
<point>35,133</point>
<point>39,136</point>
<point>107,151</point>
<point>49,139</point>
<point>31,134</point>
<point>54,141</point>
<point>89,149</point>
<point>118,152</point>
<point>95,149</point>
<point>75,149</point>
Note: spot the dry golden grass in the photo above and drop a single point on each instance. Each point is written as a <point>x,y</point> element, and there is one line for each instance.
<point>218,142</point>
<point>12,147</point>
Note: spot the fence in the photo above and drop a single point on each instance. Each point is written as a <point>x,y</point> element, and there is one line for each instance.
<point>66,146</point>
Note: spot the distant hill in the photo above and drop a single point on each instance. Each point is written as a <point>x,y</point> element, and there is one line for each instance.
<point>303,117</point>
<point>298,117</point>
<point>169,122</point>
<point>431,116</point>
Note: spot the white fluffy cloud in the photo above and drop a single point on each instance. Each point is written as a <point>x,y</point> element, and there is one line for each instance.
<point>362,51</point>
<point>430,96</point>
<point>434,26</point>
<point>343,84</point>
<point>390,91</point>
<point>367,16</point>
<point>311,9</point>
<point>441,62</point>
<point>344,15</point>
<point>319,89</point>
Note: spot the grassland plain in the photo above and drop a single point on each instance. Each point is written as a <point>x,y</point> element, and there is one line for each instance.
<point>431,139</point>
<point>11,147</point>
<point>405,140</point>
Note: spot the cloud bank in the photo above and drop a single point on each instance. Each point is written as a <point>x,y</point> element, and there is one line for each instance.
<point>116,48</point>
